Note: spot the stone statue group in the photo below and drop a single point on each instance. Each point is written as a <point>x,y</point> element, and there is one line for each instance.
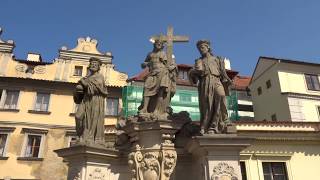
<point>160,85</point>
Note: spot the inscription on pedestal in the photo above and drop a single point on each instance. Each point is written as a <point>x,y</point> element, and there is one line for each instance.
<point>97,174</point>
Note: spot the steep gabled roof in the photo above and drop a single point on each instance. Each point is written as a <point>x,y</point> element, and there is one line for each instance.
<point>274,60</point>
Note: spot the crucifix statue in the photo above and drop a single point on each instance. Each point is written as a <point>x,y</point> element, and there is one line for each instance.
<point>170,39</point>
<point>160,84</point>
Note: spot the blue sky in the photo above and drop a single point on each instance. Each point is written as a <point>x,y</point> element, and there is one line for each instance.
<point>241,30</point>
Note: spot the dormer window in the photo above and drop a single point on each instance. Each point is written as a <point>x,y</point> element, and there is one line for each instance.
<point>78,71</point>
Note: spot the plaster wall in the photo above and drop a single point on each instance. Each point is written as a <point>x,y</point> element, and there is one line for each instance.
<point>295,82</point>
<point>302,158</point>
<point>292,80</point>
<point>270,101</point>
<point>50,168</point>
<point>310,110</point>
<point>60,105</point>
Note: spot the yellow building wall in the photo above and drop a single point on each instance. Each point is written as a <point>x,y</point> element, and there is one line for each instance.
<point>310,110</point>
<point>60,106</point>
<point>270,101</point>
<point>302,158</point>
<point>295,82</point>
<point>51,168</point>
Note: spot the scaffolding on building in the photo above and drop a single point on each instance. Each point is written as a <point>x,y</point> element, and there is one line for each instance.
<point>183,100</point>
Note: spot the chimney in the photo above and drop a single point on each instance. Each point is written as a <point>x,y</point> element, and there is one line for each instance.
<point>34,57</point>
<point>227,64</point>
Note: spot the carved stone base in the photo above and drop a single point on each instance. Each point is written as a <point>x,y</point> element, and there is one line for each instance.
<point>91,163</point>
<point>152,156</point>
<point>216,157</point>
<point>152,164</point>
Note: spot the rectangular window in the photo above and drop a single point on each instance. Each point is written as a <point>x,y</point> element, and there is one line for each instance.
<point>11,99</point>
<point>318,107</point>
<point>42,102</point>
<point>112,106</point>
<point>268,83</point>
<point>184,97</point>
<point>77,71</point>
<point>274,171</point>
<point>312,82</point>
<point>259,90</point>
<point>274,117</point>
<point>33,146</point>
<point>248,92</point>
<point>183,75</point>
<point>243,170</point>
<point>3,141</point>
<point>244,107</point>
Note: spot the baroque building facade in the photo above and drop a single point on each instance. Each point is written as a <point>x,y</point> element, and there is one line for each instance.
<point>37,109</point>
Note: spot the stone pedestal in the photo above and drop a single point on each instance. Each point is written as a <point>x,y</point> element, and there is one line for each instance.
<point>152,155</point>
<point>91,163</point>
<point>216,157</point>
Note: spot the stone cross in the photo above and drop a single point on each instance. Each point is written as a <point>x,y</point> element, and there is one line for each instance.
<point>170,39</point>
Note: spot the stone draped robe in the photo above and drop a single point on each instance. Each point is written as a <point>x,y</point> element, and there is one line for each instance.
<point>91,111</point>
<point>212,88</point>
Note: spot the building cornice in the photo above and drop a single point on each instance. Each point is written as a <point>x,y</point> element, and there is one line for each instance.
<point>37,125</point>
<point>277,127</point>
<point>71,84</point>
<point>302,96</point>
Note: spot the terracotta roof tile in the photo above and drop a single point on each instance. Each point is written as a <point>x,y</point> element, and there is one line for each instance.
<point>241,82</point>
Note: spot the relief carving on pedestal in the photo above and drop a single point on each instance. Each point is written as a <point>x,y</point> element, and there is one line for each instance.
<point>223,171</point>
<point>152,165</point>
<point>169,163</point>
<point>97,174</point>
<point>77,176</point>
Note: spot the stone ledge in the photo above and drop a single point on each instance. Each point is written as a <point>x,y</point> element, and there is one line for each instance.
<point>218,143</point>
<point>39,112</point>
<point>82,151</point>
<point>3,158</point>
<point>7,129</point>
<point>10,110</point>
<point>36,131</point>
<point>29,159</point>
